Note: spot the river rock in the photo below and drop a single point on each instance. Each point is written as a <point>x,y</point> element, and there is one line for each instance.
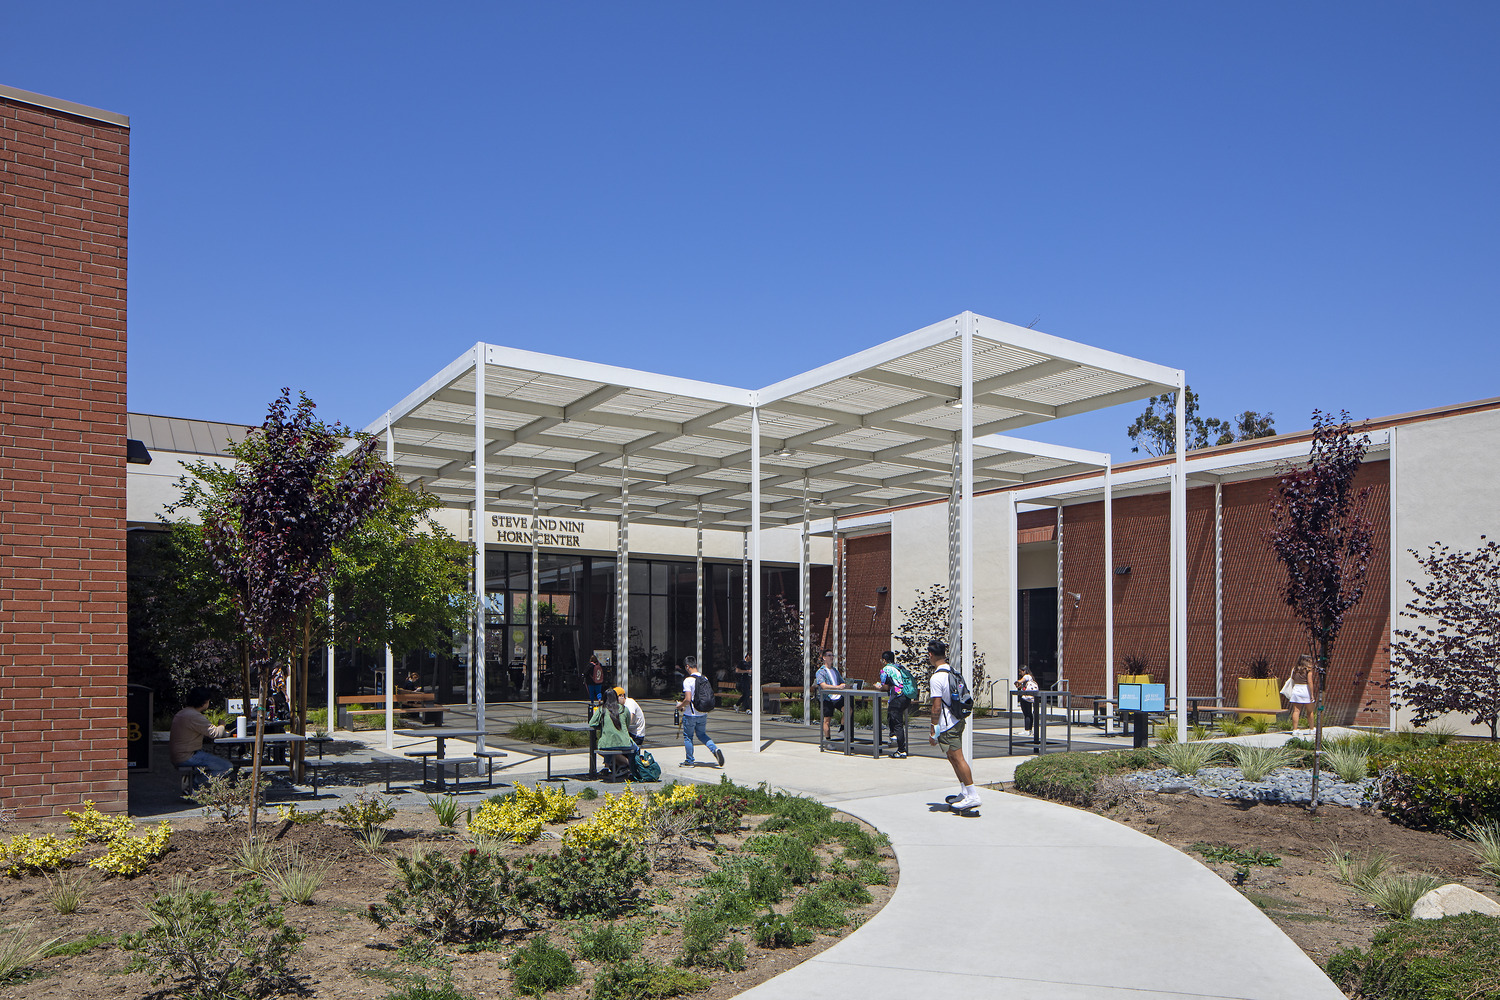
<point>1451,900</point>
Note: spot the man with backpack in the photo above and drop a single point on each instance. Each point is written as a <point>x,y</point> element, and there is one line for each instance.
<point>895,679</point>
<point>697,701</point>
<point>951,705</point>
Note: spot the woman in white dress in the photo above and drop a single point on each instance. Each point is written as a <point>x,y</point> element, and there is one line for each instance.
<point>1304,684</point>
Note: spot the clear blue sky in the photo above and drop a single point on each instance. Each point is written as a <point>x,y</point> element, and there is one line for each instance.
<point>1295,202</point>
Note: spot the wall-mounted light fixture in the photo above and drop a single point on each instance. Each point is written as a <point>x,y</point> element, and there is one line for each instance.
<point>1122,571</point>
<point>882,590</point>
<point>956,404</point>
<point>829,594</point>
<point>783,452</point>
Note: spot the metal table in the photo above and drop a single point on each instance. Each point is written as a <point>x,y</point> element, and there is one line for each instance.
<point>442,734</point>
<point>240,745</point>
<point>581,727</point>
<point>1037,741</point>
<point>853,745</point>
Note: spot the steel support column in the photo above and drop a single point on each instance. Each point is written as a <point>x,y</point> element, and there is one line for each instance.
<point>698,575</point>
<point>966,520</point>
<point>1058,531</point>
<point>481,570</point>
<point>622,581</point>
<point>755,596</point>
<point>390,659</point>
<point>1219,592</point>
<point>1179,562</point>
<point>333,714</point>
<point>1109,580</point>
<point>536,611</point>
<point>805,582</point>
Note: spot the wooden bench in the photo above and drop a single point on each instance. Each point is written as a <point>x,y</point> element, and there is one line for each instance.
<point>416,704</point>
<point>771,695</point>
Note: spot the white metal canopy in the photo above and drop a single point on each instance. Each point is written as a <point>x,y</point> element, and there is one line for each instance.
<point>891,425</point>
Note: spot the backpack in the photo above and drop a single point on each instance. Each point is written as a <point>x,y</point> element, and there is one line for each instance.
<point>908,686</point>
<point>646,767</point>
<point>960,699</point>
<point>703,695</point>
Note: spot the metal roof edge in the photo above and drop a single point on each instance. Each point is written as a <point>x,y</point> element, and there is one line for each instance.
<point>66,107</point>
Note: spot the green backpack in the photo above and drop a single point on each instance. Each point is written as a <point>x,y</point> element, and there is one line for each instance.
<point>646,767</point>
<point>908,686</point>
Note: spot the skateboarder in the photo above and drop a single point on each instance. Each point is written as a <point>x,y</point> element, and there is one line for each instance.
<point>948,725</point>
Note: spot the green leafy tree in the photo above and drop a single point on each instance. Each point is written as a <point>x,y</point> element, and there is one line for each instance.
<point>1155,429</point>
<point>925,620</point>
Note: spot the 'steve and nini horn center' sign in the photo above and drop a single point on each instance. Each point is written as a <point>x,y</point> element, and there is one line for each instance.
<point>516,529</point>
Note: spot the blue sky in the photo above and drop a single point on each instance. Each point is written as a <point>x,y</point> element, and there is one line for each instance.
<point>1295,202</point>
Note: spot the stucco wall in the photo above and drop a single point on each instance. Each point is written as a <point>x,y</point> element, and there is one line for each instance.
<point>1447,490</point>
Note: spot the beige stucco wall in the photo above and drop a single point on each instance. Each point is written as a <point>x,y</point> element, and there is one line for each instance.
<point>1446,488</point>
<point>150,488</point>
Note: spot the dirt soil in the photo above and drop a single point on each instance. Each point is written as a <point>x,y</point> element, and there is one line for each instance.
<point>345,954</point>
<point>1322,915</point>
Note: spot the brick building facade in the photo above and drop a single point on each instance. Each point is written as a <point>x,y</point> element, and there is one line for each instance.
<point>64,184</point>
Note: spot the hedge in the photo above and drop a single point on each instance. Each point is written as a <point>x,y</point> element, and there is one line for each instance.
<point>1073,777</point>
<point>1442,788</point>
<point>1454,958</point>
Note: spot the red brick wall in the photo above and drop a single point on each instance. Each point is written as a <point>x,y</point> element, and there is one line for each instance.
<point>64,183</point>
<point>1257,621</point>
<point>868,632</point>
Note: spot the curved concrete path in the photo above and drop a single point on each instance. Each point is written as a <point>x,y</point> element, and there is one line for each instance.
<point>1029,900</point>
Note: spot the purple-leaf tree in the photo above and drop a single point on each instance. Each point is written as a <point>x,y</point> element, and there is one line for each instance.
<point>272,532</point>
<point>1322,538</point>
<point>1450,661</point>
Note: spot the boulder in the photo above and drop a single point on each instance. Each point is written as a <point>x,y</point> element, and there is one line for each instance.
<point>1451,900</point>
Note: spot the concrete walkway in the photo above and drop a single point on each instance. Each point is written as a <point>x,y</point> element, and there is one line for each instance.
<point>1029,900</point>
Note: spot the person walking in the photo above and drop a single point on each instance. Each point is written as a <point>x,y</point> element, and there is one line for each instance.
<point>895,679</point>
<point>637,716</point>
<point>825,680</point>
<point>948,726</point>
<point>1026,682</point>
<point>697,700</point>
<point>613,723</point>
<point>1304,686</point>
<point>744,674</point>
<point>595,680</point>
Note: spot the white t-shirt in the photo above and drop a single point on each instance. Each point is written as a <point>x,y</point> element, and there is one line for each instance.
<point>828,675</point>
<point>687,689</point>
<point>637,717</point>
<point>938,686</point>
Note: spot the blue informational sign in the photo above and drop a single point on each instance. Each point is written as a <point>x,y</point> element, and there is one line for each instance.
<point>1130,697</point>
<point>1153,697</point>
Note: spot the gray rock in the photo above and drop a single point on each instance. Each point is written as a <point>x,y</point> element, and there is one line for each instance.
<point>1451,900</point>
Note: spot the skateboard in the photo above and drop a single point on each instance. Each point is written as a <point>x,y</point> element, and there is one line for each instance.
<point>970,812</point>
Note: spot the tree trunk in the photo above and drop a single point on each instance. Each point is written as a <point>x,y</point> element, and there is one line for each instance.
<point>1317,711</point>
<point>260,742</point>
<point>245,670</point>
<point>298,708</point>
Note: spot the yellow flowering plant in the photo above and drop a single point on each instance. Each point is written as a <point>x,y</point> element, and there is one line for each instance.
<point>520,816</point>
<point>27,854</point>
<point>130,855</point>
<point>95,827</point>
<point>620,820</point>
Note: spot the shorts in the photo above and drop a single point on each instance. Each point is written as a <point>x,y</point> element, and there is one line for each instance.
<point>828,706</point>
<point>953,739</point>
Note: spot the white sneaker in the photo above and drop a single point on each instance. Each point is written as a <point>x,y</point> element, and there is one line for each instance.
<point>970,801</point>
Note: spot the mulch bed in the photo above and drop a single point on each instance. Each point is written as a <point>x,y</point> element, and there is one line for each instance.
<point>345,954</point>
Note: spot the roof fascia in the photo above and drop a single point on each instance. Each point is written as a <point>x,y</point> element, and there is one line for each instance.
<point>1083,354</point>
<point>590,371</point>
<point>869,358</point>
<point>1041,449</point>
<point>450,373</point>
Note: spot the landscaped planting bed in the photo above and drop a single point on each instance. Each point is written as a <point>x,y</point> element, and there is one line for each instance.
<point>695,890</point>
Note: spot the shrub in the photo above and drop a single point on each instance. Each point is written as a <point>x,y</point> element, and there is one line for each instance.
<point>94,827</point>
<point>227,797</point>
<point>436,899</point>
<point>540,968</point>
<point>762,882</point>
<point>1188,759</point>
<point>777,931</point>
<point>1443,787</point>
<point>620,820</point>
<point>796,859</point>
<point>19,950</point>
<point>67,890</point>
<point>295,879</point>
<point>129,855</point>
<point>520,816</point>
<point>1231,727</point>
<point>27,854</point>
<point>709,809</point>
<point>252,857</point>
<point>599,881</point>
<point>820,908</point>
<point>368,811</point>
<point>289,813</point>
<point>705,925</point>
<point>869,872</point>
<point>445,808</point>
<point>607,943</point>
<point>588,794</point>
<point>1259,724</point>
<point>1395,894</point>
<point>238,947</point>
<point>1349,760</point>
<point>643,979</point>
<point>1065,777</point>
<point>1257,762</point>
<point>1359,872</point>
<point>1484,844</point>
<point>1447,959</point>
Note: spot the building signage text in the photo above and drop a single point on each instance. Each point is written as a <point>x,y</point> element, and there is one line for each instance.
<point>515,529</point>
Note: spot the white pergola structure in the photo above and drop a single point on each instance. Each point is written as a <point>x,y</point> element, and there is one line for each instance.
<point>893,425</point>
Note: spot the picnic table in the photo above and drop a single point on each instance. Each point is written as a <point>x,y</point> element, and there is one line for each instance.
<point>581,727</point>
<point>440,760</point>
<point>239,747</point>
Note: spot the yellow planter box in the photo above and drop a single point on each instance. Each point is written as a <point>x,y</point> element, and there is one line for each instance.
<point>1256,693</point>
<point>1135,679</point>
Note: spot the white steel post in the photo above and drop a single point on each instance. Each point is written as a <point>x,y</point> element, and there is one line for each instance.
<point>1394,595</point>
<point>698,575</point>
<point>805,582</point>
<point>390,660</point>
<point>1060,591</point>
<point>1013,595</point>
<point>1179,562</point>
<point>966,521</point>
<point>333,714</point>
<point>1109,579</point>
<point>1219,593</point>
<point>535,611</point>
<point>745,596</point>
<point>755,597</point>
<point>481,571</point>
<point>836,608</point>
<point>622,581</point>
